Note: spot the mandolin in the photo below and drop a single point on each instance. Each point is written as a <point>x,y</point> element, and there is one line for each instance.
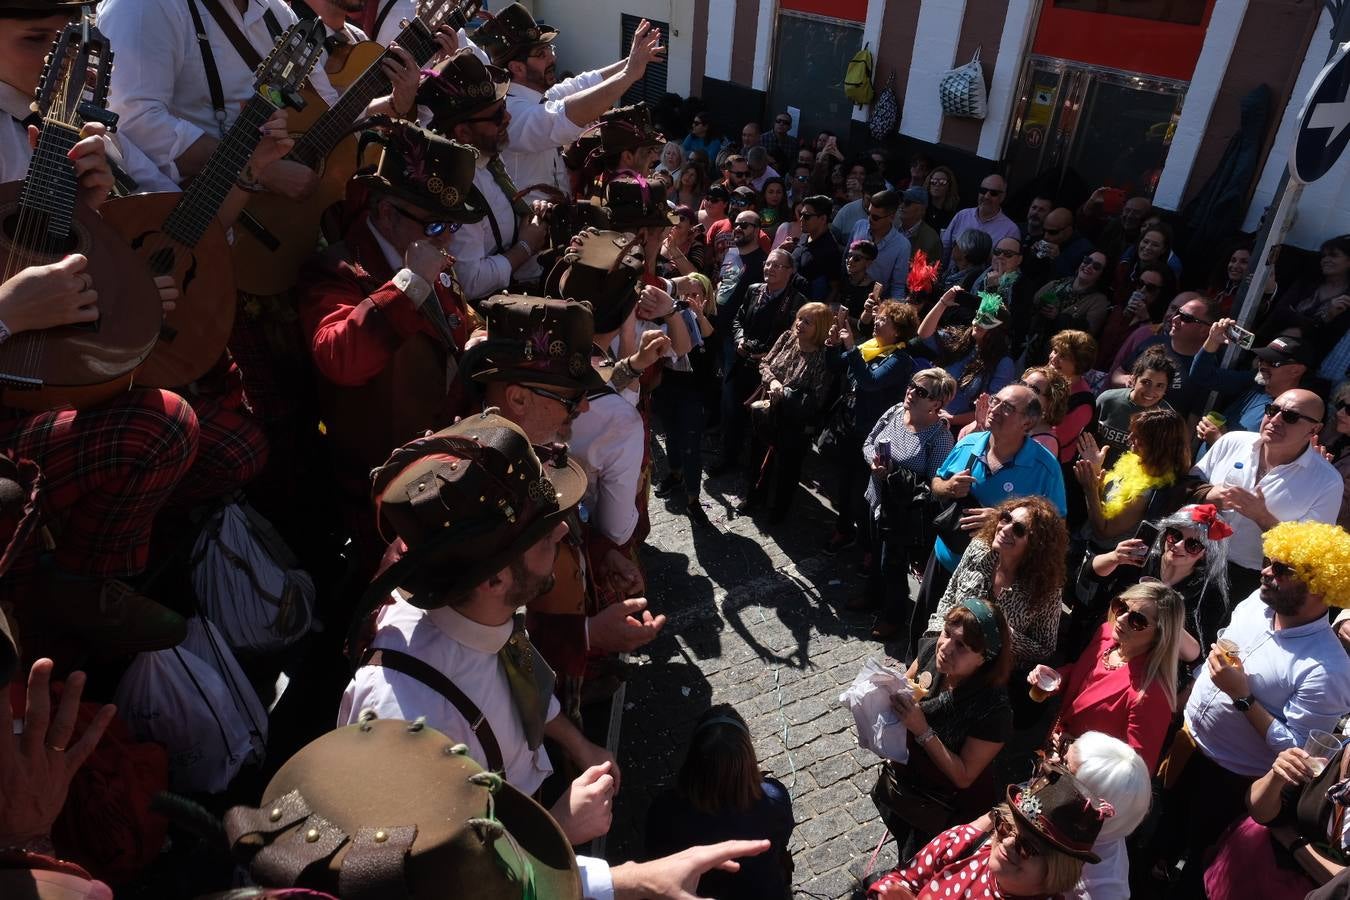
<point>43,219</point>
<point>178,234</point>
<point>276,234</point>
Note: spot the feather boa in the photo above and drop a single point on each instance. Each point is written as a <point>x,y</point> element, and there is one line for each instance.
<point>1130,482</point>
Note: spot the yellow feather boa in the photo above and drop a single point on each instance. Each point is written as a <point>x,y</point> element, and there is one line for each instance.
<point>1130,481</point>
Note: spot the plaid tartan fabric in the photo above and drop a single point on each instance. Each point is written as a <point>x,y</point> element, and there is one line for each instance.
<point>108,470</point>
<point>231,452</point>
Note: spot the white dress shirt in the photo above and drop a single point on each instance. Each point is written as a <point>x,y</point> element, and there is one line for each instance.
<point>539,128</point>
<point>1300,675</point>
<point>404,10</point>
<point>1309,488</point>
<point>160,88</point>
<point>607,440</point>
<point>16,152</point>
<point>466,653</point>
<point>482,268</point>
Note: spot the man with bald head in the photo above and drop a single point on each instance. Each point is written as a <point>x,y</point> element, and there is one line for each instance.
<point>1263,478</point>
<point>987,215</point>
<point>1058,252</point>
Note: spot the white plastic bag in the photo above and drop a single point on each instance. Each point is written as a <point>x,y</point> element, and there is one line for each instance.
<point>869,699</point>
<point>206,643</point>
<point>962,90</point>
<point>176,699</point>
<point>247,583</point>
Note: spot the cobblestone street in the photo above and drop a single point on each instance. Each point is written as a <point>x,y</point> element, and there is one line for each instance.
<point>757,620</point>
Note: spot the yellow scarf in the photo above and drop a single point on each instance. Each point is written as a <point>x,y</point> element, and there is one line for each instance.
<point>1131,481</point>
<point>870,349</point>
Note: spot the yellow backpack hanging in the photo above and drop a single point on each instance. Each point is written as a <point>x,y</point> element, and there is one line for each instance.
<point>858,77</point>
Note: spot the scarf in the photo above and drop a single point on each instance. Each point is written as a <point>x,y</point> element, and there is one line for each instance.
<point>871,349</point>
<point>1131,481</point>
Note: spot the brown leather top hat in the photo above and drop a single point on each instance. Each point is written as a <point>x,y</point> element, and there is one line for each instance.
<point>603,269</point>
<point>396,809</point>
<point>633,202</point>
<point>428,170</point>
<point>1059,809</point>
<point>511,33</point>
<point>624,128</point>
<point>457,88</point>
<point>468,500</point>
<point>537,341</point>
<point>39,9</point>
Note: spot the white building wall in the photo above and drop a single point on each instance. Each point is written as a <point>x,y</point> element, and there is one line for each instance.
<point>591,33</point>
<point>1017,32</point>
<point>935,40</point>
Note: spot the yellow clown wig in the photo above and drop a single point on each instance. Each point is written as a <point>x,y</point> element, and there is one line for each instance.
<point>1319,553</point>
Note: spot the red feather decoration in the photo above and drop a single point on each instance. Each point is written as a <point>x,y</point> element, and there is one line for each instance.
<point>922,275</point>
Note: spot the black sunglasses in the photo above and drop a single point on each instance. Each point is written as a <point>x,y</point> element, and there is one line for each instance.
<point>1019,529</point>
<point>1194,546</point>
<point>1007,253</point>
<point>804,215</point>
<point>1281,570</point>
<point>1343,406</point>
<point>992,192</point>
<point>1090,263</point>
<point>1004,829</point>
<point>1147,286</point>
<point>571,404</point>
<point>745,225</point>
<point>496,118</point>
<point>1192,320</point>
<point>803,177</point>
<point>430,228</point>
<point>1288,416</point>
<point>919,391</point>
<point>1135,621</point>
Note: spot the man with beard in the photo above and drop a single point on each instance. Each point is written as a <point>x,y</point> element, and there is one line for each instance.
<point>1288,676</point>
<point>478,518</point>
<point>467,101</point>
<point>546,114</point>
<point>1267,477</point>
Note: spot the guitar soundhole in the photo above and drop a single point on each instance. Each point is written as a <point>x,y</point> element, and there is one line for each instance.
<point>27,230</point>
<point>162,261</point>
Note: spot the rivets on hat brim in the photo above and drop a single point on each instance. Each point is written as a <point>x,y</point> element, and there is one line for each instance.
<point>381,836</point>
<point>457,750</point>
<point>311,836</point>
<point>274,815</point>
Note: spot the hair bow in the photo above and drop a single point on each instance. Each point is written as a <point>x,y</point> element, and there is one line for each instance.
<point>1207,514</point>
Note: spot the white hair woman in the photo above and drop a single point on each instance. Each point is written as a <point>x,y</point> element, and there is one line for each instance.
<point>1112,771</point>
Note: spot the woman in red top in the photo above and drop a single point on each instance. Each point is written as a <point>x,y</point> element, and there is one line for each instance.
<point>1125,683</point>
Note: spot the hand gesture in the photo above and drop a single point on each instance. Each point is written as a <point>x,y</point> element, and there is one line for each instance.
<point>1088,477</point>
<point>586,809</point>
<point>275,144</point>
<point>37,764</point>
<point>1207,431</point>
<point>427,260</point>
<point>90,156</point>
<point>1251,504</point>
<point>676,877</point>
<point>1098,197</point>
<point>404,76</point>
<point>646,49</point>
<point>617,628</point>
<point>622,574</point>
<point>1131,552</point>
<point>959,485</point>
<point>1229,677</point>
<point>651,346</point>
<point>949,296</point>
<point>1089,450</point>
<point>1292,767</point>
<point>1335,307</point>
<point>846,338</point>
<point>1218,335</point>
<point>447,42</point>
<point>982,412</point>
<point>977,518</point>
<point>60,293</point>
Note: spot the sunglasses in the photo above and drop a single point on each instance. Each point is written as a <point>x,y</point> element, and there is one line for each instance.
<point>1004,829</point>
<point>740,202</point>
<point>430,228</point>
<point>1004,254</point>
<point>1279,569</point>
<point>1135,621</point>
<point>1019,529</point>
<point>875,217</point>
<point>992,192</point>
<point>1090,263</point>
<point>571,404</point>
<point>745,225</point>
<point>1193,546</point>
<point>1343,406</point>
<point>807,215</point>
<point>919,391</point>
<point>803,178</point>
<point>782,121</point>
<point>1189,319</point>
<point>496,118</point>
<point>1288,416</point>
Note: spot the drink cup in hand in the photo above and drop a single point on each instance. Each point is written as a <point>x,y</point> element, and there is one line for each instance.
<point>1229,648</point>
<point>1044,681</point>
<point>1321,746</point>
<point>883,448</point>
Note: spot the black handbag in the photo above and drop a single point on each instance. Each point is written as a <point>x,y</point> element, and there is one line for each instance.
<point>947,522</point>
<point>927,811</point>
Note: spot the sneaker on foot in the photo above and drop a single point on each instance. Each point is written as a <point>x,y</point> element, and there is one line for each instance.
<point>669,484</point>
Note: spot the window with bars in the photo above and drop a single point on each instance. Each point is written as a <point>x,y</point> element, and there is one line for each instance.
<point>653,84</point>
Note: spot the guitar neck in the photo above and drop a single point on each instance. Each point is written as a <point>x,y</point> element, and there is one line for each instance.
<point>331,127</point>
<point>52,186</point>
<point>206,194</point>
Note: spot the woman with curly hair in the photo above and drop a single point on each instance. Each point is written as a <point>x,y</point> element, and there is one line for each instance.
<point>1016,562</point>
<point>1072,354</point>
<point>1143,483</point>
<point>976,356</point>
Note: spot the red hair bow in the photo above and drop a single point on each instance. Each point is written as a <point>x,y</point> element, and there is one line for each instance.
<point>1207,514</point>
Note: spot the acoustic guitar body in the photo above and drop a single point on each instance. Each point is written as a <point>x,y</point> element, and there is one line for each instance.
<point>194,335</point>
<point>294,224</point>
<point>79,365</point>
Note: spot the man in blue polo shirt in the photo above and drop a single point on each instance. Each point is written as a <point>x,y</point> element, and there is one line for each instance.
<point>991,466</point>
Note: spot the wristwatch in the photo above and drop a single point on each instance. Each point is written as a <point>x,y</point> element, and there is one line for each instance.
<point>1244,703</point>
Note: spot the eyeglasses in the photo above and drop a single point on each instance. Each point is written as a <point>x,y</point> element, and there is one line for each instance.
<point>1004,254</point>
<point>496,118</point>
<point>1019,529</point>
<point>741,202</point>
<point>1090,263</point>
<point>992,192</point>
<point>1005,829</point>
<point>1193,546</point>
<point>919,391</point>
<point>1147,287</point>
<point>997,402</point>
<point>1288,416</point>
<point>571,404</point>
<point>546,50</point>
<point>1280,570</point>
<point>1189,319</point>
<point>745,225</point>
<point>880,217</point>
<point>430,228</point>
<point>1134,620</point>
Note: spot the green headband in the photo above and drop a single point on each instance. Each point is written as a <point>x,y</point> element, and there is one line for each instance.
<point>984,614</point>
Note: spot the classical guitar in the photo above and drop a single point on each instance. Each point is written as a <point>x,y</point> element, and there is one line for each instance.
<point>276,235</point>
<point>43,219</point>
<point>178,234</point>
